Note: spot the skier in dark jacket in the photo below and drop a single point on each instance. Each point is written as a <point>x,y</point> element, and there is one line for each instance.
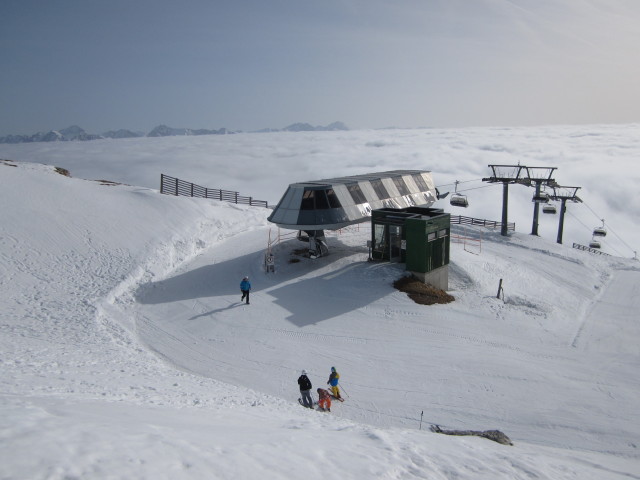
<point>305,389</point>
<point>245,288</point>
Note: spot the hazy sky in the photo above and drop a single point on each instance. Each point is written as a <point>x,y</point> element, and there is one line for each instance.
<point>268,63</point>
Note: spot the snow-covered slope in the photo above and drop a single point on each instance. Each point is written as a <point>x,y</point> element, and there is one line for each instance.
<point>126,354</point>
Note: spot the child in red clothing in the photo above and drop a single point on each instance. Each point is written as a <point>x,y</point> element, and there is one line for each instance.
<point>324,399</point>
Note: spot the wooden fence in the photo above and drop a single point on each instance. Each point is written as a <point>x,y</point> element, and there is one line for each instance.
<point>460,220</point>
<point>175,186</point>
<point>589,249</point>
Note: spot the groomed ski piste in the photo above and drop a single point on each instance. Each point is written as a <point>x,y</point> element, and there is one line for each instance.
<point>126,353</point>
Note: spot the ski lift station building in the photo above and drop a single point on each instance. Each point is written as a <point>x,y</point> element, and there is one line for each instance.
<point>334,203</point>
<point>416,236</point>
<point>330,204</point>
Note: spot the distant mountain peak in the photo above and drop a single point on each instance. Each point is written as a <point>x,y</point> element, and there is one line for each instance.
<point>73,130</point>
<point>122,133</point>
<point>75,133</point>
<point>165,131</point>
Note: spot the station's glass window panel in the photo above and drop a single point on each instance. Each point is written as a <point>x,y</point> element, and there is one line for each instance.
<point>308,200</point>
<point>431,237</point>
<point>401,186</point>
<point>378,187</point>
<point>321,200</point>
<point>422,185</point>
<point>443,233</point>
<point>391,203</point>
<point>379,238</point>
<point>333,198</point>
<point>356,193</point>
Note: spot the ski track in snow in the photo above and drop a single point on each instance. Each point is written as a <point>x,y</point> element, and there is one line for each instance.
<point>619,291</point>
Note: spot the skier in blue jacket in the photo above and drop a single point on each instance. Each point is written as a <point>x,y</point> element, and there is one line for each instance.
<point>245,287</point>
<point>333,382</point>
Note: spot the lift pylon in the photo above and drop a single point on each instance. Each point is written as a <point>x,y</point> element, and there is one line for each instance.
<point>540,176</point>
<point>564,194</point>
<point>506,174</point>
<point>523,175</point>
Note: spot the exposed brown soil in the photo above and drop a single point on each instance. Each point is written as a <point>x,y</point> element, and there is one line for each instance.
<point>108,183</point>
<point>422,293</point>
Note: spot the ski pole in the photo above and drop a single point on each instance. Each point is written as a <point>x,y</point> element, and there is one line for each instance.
<point>344,390</point>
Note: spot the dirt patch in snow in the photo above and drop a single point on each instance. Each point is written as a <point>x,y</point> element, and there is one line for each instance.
<point>422,293</point>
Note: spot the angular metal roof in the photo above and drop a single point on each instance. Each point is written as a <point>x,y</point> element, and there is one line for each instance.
<point>337,202</point>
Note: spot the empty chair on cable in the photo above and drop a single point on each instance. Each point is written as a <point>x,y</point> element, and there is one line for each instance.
<point>458,199</point>
<point>600,231</point>
<point>594,243</point>
<point>550,209</point>
<point>542,197</point>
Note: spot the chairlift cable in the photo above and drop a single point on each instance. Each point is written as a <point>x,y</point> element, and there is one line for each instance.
<point>578,220</point>
<point>477,188</point>
<point>592,211</point>
<point>459,182</point>
<point>608,244</point>
<point>608,226</point>
<point>616,251</point>
<point>618,236</point>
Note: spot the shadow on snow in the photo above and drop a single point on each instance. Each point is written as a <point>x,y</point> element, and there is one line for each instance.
<point>308,300</point>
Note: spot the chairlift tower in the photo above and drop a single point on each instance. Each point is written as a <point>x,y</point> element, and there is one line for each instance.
<point>507,174</point>
<point>564,194</point>
<point>539,176</point>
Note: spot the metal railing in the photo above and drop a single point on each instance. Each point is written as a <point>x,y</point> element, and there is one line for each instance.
<point>469,244</point>
<point>175,186</point>
<point>460,220</point>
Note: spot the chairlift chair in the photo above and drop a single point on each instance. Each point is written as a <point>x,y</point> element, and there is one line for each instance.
<point>600,231</point>
<point>550,209</point>
<point>594,243</point>
<point>458,199</point>
<point>542,197</point>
